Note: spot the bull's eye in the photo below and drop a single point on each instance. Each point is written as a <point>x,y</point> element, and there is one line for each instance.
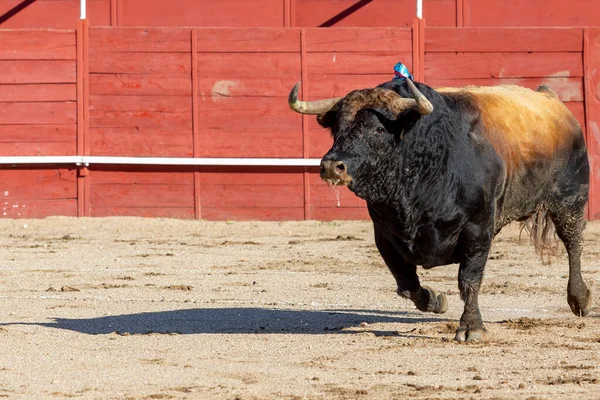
<point>380,129</point>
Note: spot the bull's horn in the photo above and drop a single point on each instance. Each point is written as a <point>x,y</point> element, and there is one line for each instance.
<point>311,107</point>
<point>423,106</point>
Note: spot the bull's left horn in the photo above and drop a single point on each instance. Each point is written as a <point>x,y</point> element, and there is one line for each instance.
<point>423,106</point>
<point>311,107</point>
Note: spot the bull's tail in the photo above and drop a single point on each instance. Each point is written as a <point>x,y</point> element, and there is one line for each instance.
<point>542,233</point>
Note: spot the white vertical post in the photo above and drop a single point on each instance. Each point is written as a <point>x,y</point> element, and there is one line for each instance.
<point>82,9</point>
<point>420,9</point>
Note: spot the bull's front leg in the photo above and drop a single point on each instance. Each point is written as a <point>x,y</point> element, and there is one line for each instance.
<point>470,274</point>
<point>407,280</point>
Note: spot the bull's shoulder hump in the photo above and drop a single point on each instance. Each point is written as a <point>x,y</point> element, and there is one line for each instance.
<point>506,98</point>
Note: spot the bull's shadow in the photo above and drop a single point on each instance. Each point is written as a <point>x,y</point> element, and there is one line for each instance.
<point>238,321</point>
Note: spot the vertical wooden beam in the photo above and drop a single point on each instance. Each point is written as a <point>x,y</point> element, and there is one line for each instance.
<point>114,20</point>
<point>86,114</point>
<point>421,37</point>
<point>292,13</point>
<point>464,13</point>
<point>287,13</point>
<point>80,118</point>
<point>195,124</point>
<point>305,142</point>
<point>83,120</point>
<point>460,16</point>
<point>418,49</point>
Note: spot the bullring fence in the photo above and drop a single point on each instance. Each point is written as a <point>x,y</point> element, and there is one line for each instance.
<point>222,92</point>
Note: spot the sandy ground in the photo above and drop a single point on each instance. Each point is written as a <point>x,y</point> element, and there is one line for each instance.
<point>128,308</point>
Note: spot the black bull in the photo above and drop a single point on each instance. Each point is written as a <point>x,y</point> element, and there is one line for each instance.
<point>442,171</point>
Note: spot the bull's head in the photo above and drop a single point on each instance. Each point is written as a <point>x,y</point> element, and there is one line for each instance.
<point>366,129</point>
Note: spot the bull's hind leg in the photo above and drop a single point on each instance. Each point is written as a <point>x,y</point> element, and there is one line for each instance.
<point>569,223</point>
<point>566,208</point>
<point>407,280</point>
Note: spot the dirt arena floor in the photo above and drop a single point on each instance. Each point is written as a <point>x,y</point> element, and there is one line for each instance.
<point>129,308</point>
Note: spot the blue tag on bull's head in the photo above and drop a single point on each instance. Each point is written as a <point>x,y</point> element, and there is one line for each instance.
<point>401,72</point>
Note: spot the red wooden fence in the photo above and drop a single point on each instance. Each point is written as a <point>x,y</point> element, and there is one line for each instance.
<point>221,92</point>
<point>62,14</point>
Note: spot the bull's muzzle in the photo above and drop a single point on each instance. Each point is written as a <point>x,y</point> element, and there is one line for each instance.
<point>335,172</point>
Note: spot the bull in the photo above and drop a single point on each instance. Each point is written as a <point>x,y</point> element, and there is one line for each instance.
<point>442,171</point>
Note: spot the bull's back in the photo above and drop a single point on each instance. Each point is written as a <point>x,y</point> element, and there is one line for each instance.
<point>523,126</point>
<point>533,133</point>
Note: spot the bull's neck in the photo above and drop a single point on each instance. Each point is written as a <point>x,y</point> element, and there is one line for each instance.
<point>413,180</point>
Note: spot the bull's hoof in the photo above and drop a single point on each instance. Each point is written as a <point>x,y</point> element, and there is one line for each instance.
<point>432,301</point>
<point>580,307</point>
<point>470,335</point>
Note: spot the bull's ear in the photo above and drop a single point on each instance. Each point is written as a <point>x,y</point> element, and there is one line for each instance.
<point>327,120</point>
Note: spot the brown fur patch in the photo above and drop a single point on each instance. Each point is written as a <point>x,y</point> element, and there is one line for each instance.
<point>521,124</point>
<point>377,97</point>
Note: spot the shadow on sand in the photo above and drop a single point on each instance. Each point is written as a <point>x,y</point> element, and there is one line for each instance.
<point>238,321</point>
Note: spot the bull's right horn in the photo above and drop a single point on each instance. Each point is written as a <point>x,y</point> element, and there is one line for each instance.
<point>311,107</point>
<point>423,106</point>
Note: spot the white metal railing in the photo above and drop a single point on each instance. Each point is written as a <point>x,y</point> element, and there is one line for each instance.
<point>88,160</point>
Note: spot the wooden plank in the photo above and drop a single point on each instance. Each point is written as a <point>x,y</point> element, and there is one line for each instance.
<point>217,84</point>
<point>240,66</point>
<point>30,148</point>
<point>141,175</point>
<point>253,214</point>
<point>141,40</point>
<point>502,65</point>
<point>82,176</point>
<point>52,71</point>
<point>137,195</point>
<point>531,13</point>
<point>28,113</point>
<point>195,122</point>
<point>140,142</point>
<point>229,142</point>
<point>140,85</point>
<point>248,114</point>
<point>139,63</point>
<point>37,184</point>
<point>141,119</point>
<point>167,104</point>
<point>54,14</point>
<point>503,39</point>
<point>567,89</point>
<point>33,208</point>
<point>251,175</point>
<point>37,45</point>
<point>249,196</point>
<point>359,63</point>
<point>173,112</point>
<point>146,212</point>
<point>38,92</point>
<point>353,13</point>
<point>248,40</point>
<point>223,13</point>
<point>37,133</point>
<point>369,40</point>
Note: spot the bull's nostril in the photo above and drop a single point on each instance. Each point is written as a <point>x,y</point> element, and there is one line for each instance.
<point>340,168</point>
